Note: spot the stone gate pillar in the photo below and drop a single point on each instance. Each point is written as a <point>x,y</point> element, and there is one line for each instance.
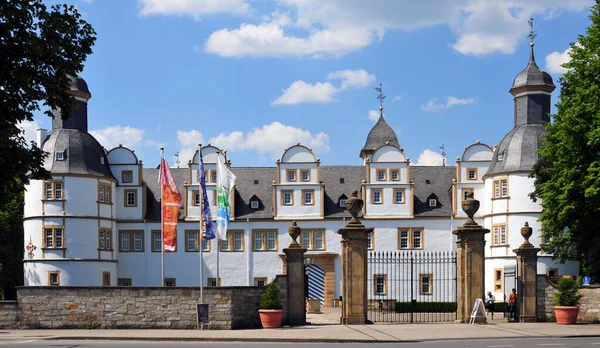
<point>294,256</point>
<point>354,265</point>
<point>527,277</point>
<point>470,243</point>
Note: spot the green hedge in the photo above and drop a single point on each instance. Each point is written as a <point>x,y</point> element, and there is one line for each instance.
<point>425,307</point>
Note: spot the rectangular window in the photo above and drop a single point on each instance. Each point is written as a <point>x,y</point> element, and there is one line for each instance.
<point>399,196</point>
<point>371,240</point>
<point>213,176</point>
<point>380,174</point>
<point>53,237</point>
<point>290,174</point>
<point>411,238</point>
<point>156,241</point>
<point>471,173</point>
<point>342,203</point>
<point>234,241</point>
<point>308,197</point>
<point>54,278</point>
<point>196,198</point>
<point>60,156</point>
<point>254,204</point>
<point>265,240</point>
<point>105,278</point>
<point>313,239</point>
<point>498,280</point>
<point>260,281</point>
<point>104,193</point>
<point>170,282</point>
<point>205,244</point>
<point>212,282</point>
<point>127,176</point>
<point>305,175</point>
<point>124,282</point>
<point>394,174</point>
<point>500,188</point>
<point>433,202</point>
<point>425,284</point>
<point>499,235</point>
<point>287,197</point>
<point>380,284</point>
<point>105,239</point>
<point>191,241</point>
<point>377,196</point>
<point>131,241</point>
<point>130,198</point>
<point>53,190</point>
<point>465,193</point>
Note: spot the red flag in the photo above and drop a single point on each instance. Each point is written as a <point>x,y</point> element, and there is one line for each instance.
<point>170,202</point>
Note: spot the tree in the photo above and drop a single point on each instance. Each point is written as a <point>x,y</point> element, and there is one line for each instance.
<point>39,49</point>
<point>567,177</point>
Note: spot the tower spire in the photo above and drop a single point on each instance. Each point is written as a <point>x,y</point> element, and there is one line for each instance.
<point>381,97</point>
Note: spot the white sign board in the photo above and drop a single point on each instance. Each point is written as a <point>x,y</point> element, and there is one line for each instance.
<point>478,304</point>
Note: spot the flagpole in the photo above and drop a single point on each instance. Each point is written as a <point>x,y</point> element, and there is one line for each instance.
<point>162,232</point>
<point>200,229</point>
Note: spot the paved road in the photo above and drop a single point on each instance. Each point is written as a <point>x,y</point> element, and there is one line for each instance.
<point>505,343</point>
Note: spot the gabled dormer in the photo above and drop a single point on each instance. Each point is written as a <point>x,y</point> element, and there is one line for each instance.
<point>470,168</point>
<point>255,203</point>
<point>388,189</point>
<point>130,193</point>
<point>297,191</point>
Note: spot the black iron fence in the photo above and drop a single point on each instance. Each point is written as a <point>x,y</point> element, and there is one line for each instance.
<point>411,286</point>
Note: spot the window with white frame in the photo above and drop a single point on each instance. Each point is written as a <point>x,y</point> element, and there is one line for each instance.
<point>234,241</point>
<point>342,202</point>
<point>127,176</point>
<point>291,175</point>
<point>130,198</point>
<point>394,174</point>
<point>380,174</point>
<point>313,239</point>
<point>377,196</point>
<point>471,173</point>
<point>433,202</point>
<point>305,175</point>
<point>54,237</point>
<point>196,198</point>
<point>105,239</point>
<point>105,278</point>
<point>156,241</point>
<point>499,234</point>
<point>308,197</point>
<point>124,282</point>
<point>410,238</point>
<point>254,204</point>
<point>380,284</point>
<point>500,188</point>
<point>264,240</point>
<point>191,241</point>
<point>425,284</point>
<point>104,193</point>
<point>287,197</point>
<point>53,190</point>
<point>131,241</point>
<point>54,278</point>
<point>60,156</point>
<point>399,196</point>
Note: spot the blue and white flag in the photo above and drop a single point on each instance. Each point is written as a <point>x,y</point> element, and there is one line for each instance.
<point>209,231</point>
<point>225,184</point>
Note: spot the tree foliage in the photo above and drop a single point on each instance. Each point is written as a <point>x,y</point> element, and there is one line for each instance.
<point>567,177</point>
<point>40,48</point>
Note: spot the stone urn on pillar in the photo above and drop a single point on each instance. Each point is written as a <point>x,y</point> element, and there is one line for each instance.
<point>354,265</point>
<point>470,247</point>
<point>294,259</point>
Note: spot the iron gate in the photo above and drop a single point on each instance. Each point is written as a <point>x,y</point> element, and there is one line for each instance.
<point>411,286</point>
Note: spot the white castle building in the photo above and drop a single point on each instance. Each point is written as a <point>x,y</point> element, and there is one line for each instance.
<point>97,222</point>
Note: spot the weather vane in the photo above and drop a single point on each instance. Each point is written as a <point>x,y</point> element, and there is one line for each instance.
<point>532,33</point>
<point>381,97</point>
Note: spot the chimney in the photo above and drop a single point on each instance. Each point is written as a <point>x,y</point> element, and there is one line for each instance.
<point>41,136</point>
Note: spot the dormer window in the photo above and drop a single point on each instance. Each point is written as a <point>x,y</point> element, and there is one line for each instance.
<point>255,182</point>
<point>342,202</point>
<point>433,202</point>
<point>60,156</point>
<point>501,156</point>
<point>254,204</point>
<point>427,181</point>
<point>101,160</point>
<point>342,181</point>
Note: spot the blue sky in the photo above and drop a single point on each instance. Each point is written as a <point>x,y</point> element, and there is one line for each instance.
<point>255,77</point>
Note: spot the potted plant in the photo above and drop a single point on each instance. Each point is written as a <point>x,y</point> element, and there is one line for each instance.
<point>566,299</point>
<point>271,312</point>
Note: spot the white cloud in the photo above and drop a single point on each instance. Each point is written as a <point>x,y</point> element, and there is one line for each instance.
<point>433,106</point>
<point>195,8</point>
<point>111,137</point>
<point>555,60</point>
<point>398,98</point>
<point>317,28</point>
<point>29,130</point>
<point>323,92</point>
<point>374,115</point>
<point>270,139</point>
<point>430,158</point>
<point>301,92</point>
<point>189,141</point>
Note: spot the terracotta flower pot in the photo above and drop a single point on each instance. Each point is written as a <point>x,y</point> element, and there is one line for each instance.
<point>566,314</point>
<point>271,318</point>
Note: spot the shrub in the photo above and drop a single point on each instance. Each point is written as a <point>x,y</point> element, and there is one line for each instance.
<point>567,293</point>
<point>271,298</point>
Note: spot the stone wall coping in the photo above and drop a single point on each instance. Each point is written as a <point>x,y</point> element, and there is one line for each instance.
<point>210,288</point>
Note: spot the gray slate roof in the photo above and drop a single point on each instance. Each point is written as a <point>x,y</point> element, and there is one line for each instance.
<point>78,84</point>
<point>82,153</point>
<point>379,135</point>
<point>518,148</point>
<point>440,179</point>
<point>532,75</point>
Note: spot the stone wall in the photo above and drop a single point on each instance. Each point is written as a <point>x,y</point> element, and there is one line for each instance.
<point>589,305</point>
<point>134,307</point>
<point>8,314</point>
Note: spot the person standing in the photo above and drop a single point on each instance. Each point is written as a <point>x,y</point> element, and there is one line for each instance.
<point>489,303</point>
<point>512,303</point>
